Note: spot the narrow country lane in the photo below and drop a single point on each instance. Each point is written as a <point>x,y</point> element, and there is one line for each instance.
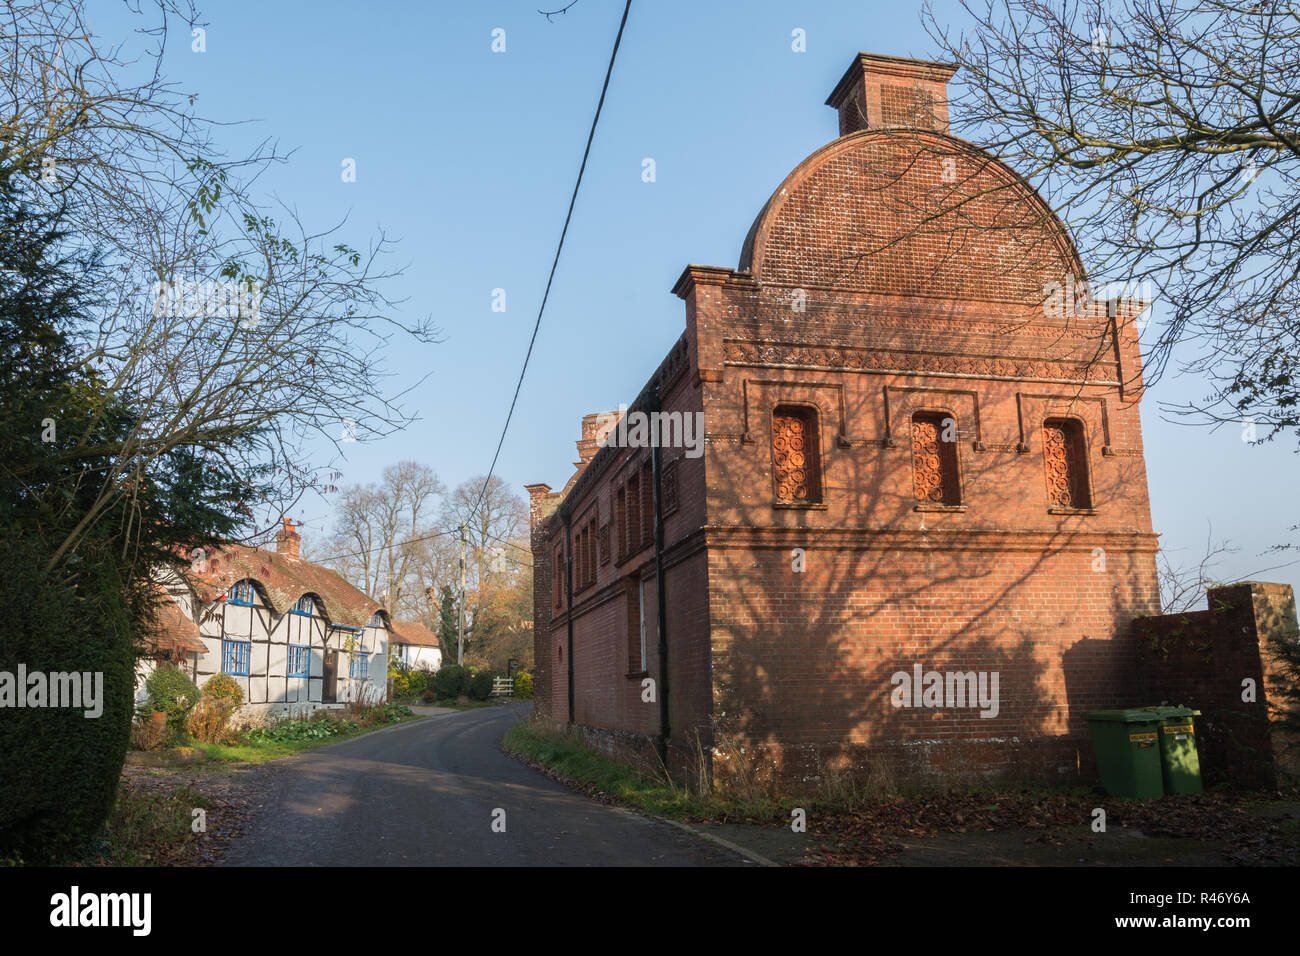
<point>424,794</point>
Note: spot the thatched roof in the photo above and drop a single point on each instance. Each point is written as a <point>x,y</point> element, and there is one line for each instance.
<point>282,580</point>
<point>175,632</point>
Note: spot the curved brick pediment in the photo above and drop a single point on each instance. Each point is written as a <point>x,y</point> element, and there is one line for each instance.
<point>911,213</point>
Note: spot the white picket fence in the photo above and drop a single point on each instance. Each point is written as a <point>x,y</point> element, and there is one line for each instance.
<point>503,687</point>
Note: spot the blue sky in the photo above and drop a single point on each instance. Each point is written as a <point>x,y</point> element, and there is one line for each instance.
<point>467,158</point>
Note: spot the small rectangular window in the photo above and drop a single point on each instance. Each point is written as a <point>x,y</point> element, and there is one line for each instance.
<point>359,665</point>
<point>299,660</point>
<point>235,656</point>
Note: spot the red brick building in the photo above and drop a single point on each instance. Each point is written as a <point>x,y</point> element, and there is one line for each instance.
<point>923,457</point>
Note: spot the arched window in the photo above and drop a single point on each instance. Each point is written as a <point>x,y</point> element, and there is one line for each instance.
<point>1066,459</point>
<point>795,455</point>
<point>934,459</point>
<point>305,605</point>
<point>241,593</point>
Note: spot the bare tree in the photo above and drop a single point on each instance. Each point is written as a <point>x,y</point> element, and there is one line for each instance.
<point>1165,133</point>
<point>382,532</point>
<point>232,333</point>
<point>1183,586</point>
<point>498,574</point>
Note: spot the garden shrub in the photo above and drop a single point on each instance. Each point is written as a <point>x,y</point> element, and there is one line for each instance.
<point>416,683</point>
<point>523,686</point>
<point>296,728</point>
<point>224,687</point>
<point>429,697</point>
<point>209,719</point>
<point>172,692</point>
<point>480,685</point>
<point>147,733</point>
<point>401,684</point>
<point>451,681</point>
<point>390,713</point>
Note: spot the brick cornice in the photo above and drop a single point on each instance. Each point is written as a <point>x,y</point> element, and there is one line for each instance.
<point>946,539</point>
<point>694,275</point>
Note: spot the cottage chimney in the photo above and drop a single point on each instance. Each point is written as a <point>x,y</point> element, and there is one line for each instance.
<point>883,92</point>
<point>287,540</point>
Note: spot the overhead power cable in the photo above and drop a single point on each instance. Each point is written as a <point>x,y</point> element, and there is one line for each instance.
<point>556,261</point>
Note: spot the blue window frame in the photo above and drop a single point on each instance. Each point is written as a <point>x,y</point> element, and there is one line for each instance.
<point>242,593</point>
<point>305,605</point>
<point>359,666</point>
<point>235,656</point>
<point>299,660</point>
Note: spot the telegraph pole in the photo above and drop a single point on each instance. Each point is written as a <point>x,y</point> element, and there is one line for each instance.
<point>460,626</point>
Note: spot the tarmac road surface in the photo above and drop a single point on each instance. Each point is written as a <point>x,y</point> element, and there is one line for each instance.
<point>427,793</point>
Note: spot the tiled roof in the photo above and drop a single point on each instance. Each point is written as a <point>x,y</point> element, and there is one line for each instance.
<point>174,631</point>
<point>413,632</point>
<point>282,581</point>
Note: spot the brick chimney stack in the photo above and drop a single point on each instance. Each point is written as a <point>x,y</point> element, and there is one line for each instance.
<point>883,92</point>
<point>589,444</point>
<point>287,540</point>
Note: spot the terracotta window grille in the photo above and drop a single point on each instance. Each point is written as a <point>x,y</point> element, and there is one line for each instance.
<point>669,480</point>
<point>633,515</point>
<point>557,575</point>
<point>580,559</point>
<point>620,521</point>
<point>589,554</point>
<point>647,506</point>
<point>1067,464</point>
<point>795,455</point>
<point>635,627</point>
<point>589,541</point>
<point>934,459</point>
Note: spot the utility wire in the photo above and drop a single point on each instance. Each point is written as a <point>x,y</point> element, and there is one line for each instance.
<point>573,199</point>
<point>555,263</point>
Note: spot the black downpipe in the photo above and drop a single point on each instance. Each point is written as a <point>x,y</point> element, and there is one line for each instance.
<point>568,597</point>
<point>656,467</point>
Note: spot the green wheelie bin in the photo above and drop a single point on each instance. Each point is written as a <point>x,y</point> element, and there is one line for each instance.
<point>1180,764</point>
<point>1127,747</point>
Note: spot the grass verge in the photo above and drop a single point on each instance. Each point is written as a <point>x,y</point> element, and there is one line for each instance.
<point>568,759</point>
<point>148,828</point>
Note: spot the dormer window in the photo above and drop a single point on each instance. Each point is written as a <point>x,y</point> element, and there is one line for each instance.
<point>241,593</point>
<point>305,606</point>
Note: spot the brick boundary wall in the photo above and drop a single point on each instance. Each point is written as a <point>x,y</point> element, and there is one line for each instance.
<point>1201,658</point>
